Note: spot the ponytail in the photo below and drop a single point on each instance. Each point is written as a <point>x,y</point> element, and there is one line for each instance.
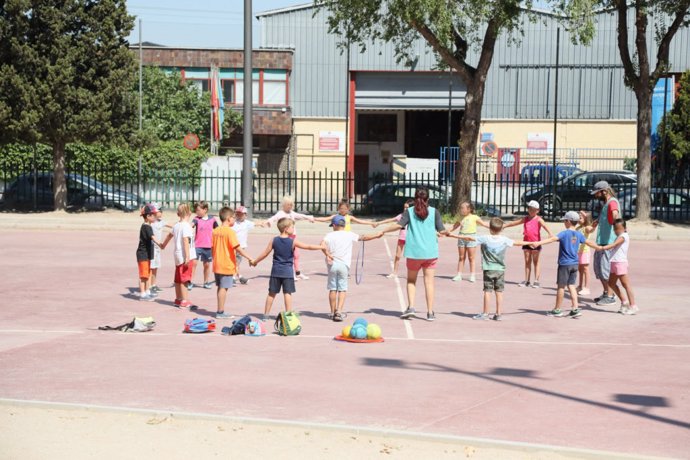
<point>421,203</point>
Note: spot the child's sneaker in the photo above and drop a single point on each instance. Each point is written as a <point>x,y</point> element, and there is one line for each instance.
<point>606,300</point>
<point>243,280</point>
<point>337,317</point>
<point>575,313</point>
<point>208,285</point>
<point>190,286</point>
<point>223,315</point>
<point>458,277</point>
<point>185,304</point>
<point>524,284</point>
<point>597,299</point>
<point>481,316</point>
<point>156,289</point>
<point>152,293</point>
<point>557,312</point>
<point>430,316</point>
<point>301,276</point>
<point>536,285</point>
<point>146,298</point>
<point>631,310</point>
<point>391,276</point>
<point>472,278</point>
<point>497,318</point>
<point>177,303</point>
<point>584,291</point>
<point>407,313</point>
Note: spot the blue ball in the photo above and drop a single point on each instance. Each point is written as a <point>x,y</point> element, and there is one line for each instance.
<point>360,332</point>
<point>361,321</point>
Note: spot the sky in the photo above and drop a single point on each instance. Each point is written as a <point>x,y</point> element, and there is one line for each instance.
<point>201,23</point>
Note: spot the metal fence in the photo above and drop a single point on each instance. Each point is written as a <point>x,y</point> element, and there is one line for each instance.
<point>496,190</point>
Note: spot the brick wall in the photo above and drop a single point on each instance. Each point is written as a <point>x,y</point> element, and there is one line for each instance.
<point>180,57</point>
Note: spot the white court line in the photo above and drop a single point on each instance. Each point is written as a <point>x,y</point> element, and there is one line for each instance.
<point>305,336</point>
<point>401,298</point>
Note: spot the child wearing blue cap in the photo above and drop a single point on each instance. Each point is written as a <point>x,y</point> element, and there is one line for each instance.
<point>568,263</point>
<point>339,243</point>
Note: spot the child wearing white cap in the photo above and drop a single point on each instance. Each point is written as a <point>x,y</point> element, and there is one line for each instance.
<point>532,225</point>
<point>569,243</point>
<point>241,227</point>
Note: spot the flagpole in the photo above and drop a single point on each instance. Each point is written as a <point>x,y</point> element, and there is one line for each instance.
<point>247,147</point>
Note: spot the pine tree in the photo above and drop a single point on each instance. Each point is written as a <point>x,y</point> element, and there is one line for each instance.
<point>673,152</point>
<point>66,75</point>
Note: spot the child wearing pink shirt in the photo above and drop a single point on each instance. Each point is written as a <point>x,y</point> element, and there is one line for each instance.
<point>532,225</point>
<point>401,237</point>
<point>203,224</point>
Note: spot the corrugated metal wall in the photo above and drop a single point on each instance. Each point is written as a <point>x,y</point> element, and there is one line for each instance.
<point>520,84</point>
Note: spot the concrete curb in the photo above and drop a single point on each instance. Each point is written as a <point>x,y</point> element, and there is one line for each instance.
<point>515,446</point>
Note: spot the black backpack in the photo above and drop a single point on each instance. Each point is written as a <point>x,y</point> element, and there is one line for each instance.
<point>238,326</point>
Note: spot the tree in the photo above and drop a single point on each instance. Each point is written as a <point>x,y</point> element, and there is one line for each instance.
<point>66,75</point>
<point>452,28</point>
<point>172,109</point>
<point>668,16</point>
<point>675,132</point>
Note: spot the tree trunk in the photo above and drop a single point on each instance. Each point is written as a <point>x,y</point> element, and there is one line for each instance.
<point>469,133</point>
<point>59,179</point>
<point>644,154</point>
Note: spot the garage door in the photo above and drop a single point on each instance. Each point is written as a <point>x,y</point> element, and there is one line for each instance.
<point>407,91</point>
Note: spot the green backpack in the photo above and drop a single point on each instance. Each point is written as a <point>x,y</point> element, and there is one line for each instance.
<point>287,323</point>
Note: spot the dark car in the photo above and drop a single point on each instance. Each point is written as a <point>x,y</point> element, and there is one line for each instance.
<point>389,198</point>
<point>542,174</point>
<point>573,192</point>
<point>667,203</point>
<point>82,192</point>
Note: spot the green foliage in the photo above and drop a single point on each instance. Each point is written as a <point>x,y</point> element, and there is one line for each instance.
<point>65,71</point>
<point>630,164</point>
<point>106,163</point>
<point>172,109</point>
<point>676,130</point>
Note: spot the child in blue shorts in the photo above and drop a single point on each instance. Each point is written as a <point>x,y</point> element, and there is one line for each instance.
<point>282,271</point>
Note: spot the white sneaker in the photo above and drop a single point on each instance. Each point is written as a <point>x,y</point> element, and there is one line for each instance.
<point>524,284</point>
<point>391,276</point>
<point>472,278</point>
<point>458,277</point>
<point>632,310</point>
<point>303,276</point>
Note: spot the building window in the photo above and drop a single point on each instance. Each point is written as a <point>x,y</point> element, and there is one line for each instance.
<point>275,93</point>
<point>228,91</point>
<point>239,85</point>
<point>201,85</point>
<point>375,127</point>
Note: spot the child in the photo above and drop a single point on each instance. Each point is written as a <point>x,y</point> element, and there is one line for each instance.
<point>184,255</point>
<point>339,258</point>
<point>532,225</point>
<point>401,236</point>
<point>466,248</point>
<point>242,226</point>
<point>569,242</point>
<point>282,274</point>
<point>287,210</point>
<point>225,249</point>
<point>145,253</point>
<point>619,267</point>
<point>493,249</point>
<point>583,254</point>
<point>344,210</point>
<point>158,225</point>
<point>204,224</point>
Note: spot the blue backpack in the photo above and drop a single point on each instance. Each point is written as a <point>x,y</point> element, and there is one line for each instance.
<point>238,326</point>
<point>199,325</point>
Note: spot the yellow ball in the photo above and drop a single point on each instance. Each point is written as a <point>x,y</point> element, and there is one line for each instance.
<point>373,331</point>
<point>346,331</point>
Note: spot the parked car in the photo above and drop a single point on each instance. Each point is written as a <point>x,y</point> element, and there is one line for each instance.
<point>389,198</point>
<point>573,192</point>
<point>667,203</point>
<point>542,174</point>
<point>82,191</point>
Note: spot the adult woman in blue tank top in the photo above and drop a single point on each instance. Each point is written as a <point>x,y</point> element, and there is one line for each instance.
<point>421,249</point>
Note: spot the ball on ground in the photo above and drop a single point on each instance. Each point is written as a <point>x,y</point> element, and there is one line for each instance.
<point>346,331</point>
<point>361,321</point>
<point>373,331</point>
<point>359,332</point>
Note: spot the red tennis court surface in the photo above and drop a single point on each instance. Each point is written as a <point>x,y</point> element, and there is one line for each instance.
<point>603,381</point>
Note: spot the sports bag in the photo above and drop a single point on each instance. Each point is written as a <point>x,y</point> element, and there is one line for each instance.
<point>255,329</point>
<point>199,325</point>
<point>288,323</point>
<point>239,325</point>
<point>138,324</point>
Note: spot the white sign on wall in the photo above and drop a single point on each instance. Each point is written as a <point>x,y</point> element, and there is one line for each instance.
<point>539,141</point>
<point>332,141</point>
